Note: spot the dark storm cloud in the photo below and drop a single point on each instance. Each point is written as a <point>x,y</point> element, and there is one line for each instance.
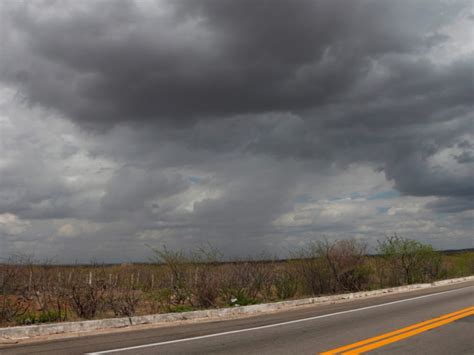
<point>453,205</point>
<point>103,62</point>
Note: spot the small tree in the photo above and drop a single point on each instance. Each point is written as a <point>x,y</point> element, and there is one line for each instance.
<point>88,292</point>
<point>313,270</point>
<point>409,261</point>
<point>286,284</point>
<point>14,300</point>
<point>176,263</point>
<point>205,266</point>
<point>347,262</point>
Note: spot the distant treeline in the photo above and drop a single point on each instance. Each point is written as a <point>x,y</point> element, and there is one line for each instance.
<point>177,281</point>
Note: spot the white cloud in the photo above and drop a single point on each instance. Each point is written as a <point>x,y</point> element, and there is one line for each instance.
<point>12,225</point>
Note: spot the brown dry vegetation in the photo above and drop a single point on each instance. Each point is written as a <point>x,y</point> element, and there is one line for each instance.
<point>176,281</point>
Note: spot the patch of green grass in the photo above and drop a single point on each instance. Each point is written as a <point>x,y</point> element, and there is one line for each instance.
<point>44,317</point>
<point>182,308</point>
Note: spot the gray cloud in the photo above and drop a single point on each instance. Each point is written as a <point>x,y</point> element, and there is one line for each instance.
<point>179,61</point>
<point>129,190</point>
<point>210,120</point>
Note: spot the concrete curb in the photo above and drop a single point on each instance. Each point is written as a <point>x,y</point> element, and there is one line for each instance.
<point>22,332</point>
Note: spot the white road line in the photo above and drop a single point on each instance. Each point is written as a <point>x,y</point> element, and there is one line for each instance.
<point>272,325</point>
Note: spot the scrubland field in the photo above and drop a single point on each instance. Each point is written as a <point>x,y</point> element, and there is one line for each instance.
<point>175,281</point>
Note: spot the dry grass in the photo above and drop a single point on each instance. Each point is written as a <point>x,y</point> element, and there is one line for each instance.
<point>35,293</point>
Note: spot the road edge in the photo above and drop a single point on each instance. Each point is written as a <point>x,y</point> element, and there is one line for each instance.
<point>31,331</point>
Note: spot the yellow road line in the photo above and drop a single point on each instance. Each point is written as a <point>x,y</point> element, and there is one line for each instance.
<point>400,333</point>
<point>407,335</point>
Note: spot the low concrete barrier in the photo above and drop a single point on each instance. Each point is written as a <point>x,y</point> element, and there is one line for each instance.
<point>30,331</point>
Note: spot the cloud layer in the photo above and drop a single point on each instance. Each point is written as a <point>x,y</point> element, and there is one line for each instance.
<point>253,125</point>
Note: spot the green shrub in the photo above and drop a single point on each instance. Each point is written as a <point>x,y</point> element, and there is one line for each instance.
<point>238,296</point>
<point>50,316</point>
<point>29,318</point>
<point>161,300</point>
<point>286,285</point>
<point>409,261</point>
<point>181,308</point>
<point>459,265</point>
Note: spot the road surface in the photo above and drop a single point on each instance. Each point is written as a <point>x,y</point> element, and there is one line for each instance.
<point>431,321</point>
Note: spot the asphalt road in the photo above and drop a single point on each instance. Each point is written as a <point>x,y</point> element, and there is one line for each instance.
<point>432,321</point>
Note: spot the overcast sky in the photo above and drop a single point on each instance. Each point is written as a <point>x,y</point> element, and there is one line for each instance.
<point>254,125</point>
